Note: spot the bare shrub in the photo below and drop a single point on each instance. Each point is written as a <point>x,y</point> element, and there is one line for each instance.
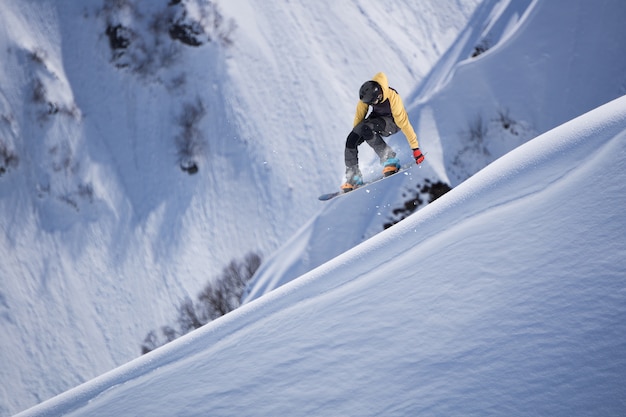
<point>477,130</point>
<point>74,198</point>
<point>426,193</point>
<point>46,106</point>
<point>144,43</point>
<point>482,47</point>
<point>8,157</point>
<point>507,121</point>
<point>224,296</point>
<point>38,55</point>
<point>188,319</point>
<point>169,333</point>
<point>119,38</point>
<point>219,297</point>
<point>210,26</point>
<point>39,93</point>
<point>150,342</point>
<point>190,142</point>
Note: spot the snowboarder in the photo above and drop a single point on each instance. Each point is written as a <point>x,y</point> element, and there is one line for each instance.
<point>388,115</point>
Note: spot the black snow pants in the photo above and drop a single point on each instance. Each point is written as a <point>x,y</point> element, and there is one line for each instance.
<point>370,130</point>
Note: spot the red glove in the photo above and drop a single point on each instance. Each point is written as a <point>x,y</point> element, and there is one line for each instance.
<point>418,155</point>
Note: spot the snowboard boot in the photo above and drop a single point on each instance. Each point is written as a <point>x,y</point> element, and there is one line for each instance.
<point>354,179</point>
<point>391,166</point>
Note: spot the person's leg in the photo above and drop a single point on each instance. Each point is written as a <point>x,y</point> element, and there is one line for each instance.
<point>351,154</point>
<point>384,126</point>
<point>381,148</point>
<point>370,130</point>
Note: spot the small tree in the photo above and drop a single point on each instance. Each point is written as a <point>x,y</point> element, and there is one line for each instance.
<point>477,130</point>
<point>190,142</point>
<point>224,295</point>
<point>188,320</point>
<point>507,121</point>
<point>150,342</point>
<point>8,158</point>
<point>218,298</point>
<point>482,47</point>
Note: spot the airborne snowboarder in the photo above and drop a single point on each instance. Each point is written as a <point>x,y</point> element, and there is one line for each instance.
<point>387,117</point>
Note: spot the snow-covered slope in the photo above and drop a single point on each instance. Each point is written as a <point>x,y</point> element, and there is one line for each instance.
<point>103,234</point>
<point>518,69</point>
<point>506,296</point>
<point>538,64</point>
<point>101,101</point>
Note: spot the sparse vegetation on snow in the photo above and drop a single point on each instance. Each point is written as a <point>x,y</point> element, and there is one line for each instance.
<point>219,297</point>
<point>107,106</point>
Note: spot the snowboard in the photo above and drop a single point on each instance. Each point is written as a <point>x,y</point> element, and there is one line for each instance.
<point>329,196</point>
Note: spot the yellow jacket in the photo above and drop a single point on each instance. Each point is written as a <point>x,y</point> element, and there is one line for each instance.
<point>400,117</point>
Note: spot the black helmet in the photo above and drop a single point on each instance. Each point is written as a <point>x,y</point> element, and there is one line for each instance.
<point>371,93</point>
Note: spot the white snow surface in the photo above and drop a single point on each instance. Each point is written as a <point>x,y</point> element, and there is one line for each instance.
<point>506,296</point>
<point>539,72</point>
<point>102,234</point>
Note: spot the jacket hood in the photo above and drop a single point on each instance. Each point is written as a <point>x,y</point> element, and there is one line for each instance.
<point>381,79</point>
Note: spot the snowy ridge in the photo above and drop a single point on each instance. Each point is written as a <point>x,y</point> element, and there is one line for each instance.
<point>542,66</point>
<point>492,24</point>
<point>504,297</point>
<point>520,318</point>
<point>101,104</point>
<point>470,110</point>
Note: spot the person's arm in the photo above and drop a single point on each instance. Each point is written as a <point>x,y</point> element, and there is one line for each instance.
<point>361,112</point>
<point>401,118</point>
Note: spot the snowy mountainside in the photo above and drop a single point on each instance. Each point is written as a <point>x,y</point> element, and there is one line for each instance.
<point>503,297</point>
<point>518,69</point>
<point>102,102</point>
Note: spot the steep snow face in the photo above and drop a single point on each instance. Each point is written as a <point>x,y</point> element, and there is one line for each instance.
<point>504,297</point>
<point>107,107</point>
<point>519,68</point>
